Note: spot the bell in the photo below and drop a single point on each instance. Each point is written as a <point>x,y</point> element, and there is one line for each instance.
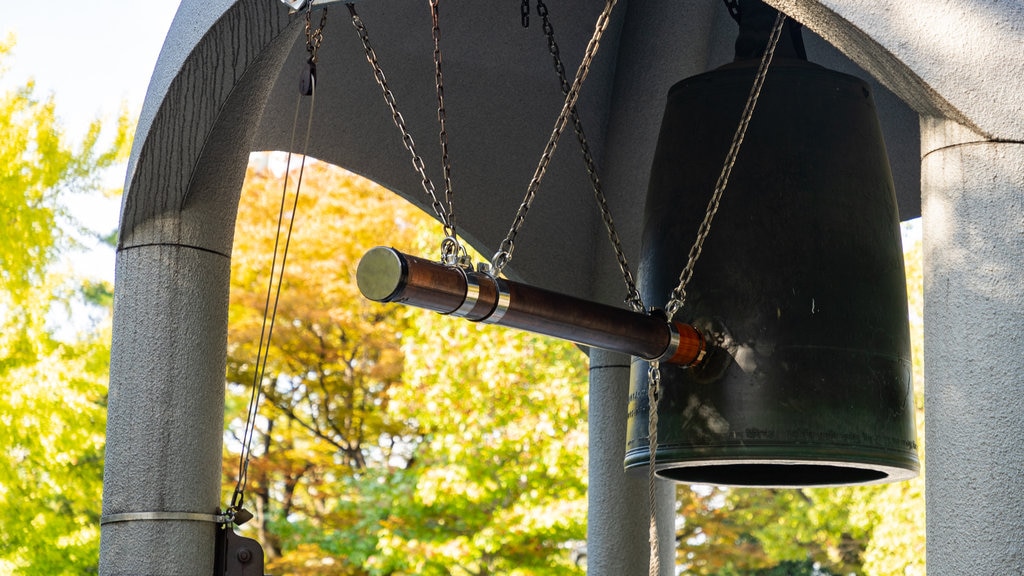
<point>800,290</point>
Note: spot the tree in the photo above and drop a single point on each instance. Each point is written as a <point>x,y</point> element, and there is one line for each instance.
<point>394,441</point>
<point>333,358</point>
<point>52,404</point>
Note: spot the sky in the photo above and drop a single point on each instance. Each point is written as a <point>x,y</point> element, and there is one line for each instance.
<point>93,56</point>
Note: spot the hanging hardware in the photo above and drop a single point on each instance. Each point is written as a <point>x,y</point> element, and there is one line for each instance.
<point>502,257</point>
<point>524,10</point>
<point>633,299</point>
<point>733,6</point>
<point>452,251</point>
<point>446,217</point>
<point>297,5</point>
<point>387,275</point>
<point>236,555</point>
<point>235,512</point>
<point>800,290</point>
<point>314,37</point>
<point>678,295</point>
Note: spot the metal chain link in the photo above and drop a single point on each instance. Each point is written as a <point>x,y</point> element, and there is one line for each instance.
<point>678,295</point>
<point>399,120</point>
<point>524,10</point>
<point>653,395</point>
<point>733,6</point>
<point>504,254</point>
<point>314,37</point>
<point>451,248</point>
<point>633,299</point>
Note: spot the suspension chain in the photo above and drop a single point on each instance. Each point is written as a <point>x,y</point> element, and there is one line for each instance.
<point>733,6</point>
<point>451,248</point>
<point>314,37</point>
<point>678,295</point>
<point>504,254</point>
<point>653,395</point>
<point>633,298</point>
<point>407,140</point>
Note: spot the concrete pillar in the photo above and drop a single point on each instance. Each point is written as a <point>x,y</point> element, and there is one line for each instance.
<point>166,408</point>
<point>618,519</point>
<point>973,217</point>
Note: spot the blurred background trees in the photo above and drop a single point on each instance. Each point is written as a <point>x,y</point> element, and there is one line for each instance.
<point>390,441</point>
<point>54,339</point>
<point>397,441</point>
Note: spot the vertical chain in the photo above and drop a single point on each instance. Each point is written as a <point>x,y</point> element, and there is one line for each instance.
<point>451,249</point>
<point>678,295</point>
<point>398,119</point>
<point>633,298</point>
<point>504,254</point>
<point>653,395</point>
<point>314,37</point>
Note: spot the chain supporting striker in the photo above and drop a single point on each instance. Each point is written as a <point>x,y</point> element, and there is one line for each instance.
<point>504,254</point>
<point>678,295</point>
<point>633,299</point>
<point>451,249</point>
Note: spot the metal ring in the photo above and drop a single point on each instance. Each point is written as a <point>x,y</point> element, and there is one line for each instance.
<point>472,296</point>
<point>149,516</point>
<point>673,344</point>
<point>504,299</point>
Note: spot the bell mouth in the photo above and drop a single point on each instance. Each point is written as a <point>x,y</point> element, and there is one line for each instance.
<point>782,474</point>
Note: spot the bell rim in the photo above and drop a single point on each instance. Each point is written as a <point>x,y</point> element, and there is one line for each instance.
<point>861,472</point>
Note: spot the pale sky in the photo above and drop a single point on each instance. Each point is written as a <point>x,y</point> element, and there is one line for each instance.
<point>93,56</point>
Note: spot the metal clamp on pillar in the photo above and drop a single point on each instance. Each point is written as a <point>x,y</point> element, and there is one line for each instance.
<point>387,275</point>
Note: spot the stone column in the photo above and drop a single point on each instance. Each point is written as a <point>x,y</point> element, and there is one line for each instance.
<point>973,217</point>
<point>618,520</point>
<point>166,408</point>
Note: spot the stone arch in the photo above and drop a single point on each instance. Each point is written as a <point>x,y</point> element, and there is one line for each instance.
<point>216,94</point>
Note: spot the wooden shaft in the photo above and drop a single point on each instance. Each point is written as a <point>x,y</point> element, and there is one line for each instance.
<point>387,275</point>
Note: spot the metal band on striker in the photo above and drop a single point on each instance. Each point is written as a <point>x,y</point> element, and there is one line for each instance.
<point>472,296</point>
<point>503,302</point>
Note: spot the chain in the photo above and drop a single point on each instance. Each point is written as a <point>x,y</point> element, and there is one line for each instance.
<point>524,10</point>
<point>653,395</point>
<point>314,37</point>
<point>633,298</point>
<point>235,512</point>
<point>504,254</point>
<point>451,248</point>
<point>399,120</point>
<point>733,6</point>
<point>678,295</point>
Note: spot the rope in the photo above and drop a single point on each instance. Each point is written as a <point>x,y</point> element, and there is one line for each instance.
<point>678,295</point>
<point>267,327</point>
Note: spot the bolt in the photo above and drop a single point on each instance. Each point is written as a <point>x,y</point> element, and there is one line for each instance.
<point>244,555</point>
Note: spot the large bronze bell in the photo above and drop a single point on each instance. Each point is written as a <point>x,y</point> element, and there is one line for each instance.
<point>800,289</point>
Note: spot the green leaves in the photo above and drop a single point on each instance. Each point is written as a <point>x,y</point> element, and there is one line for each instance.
<point>392,440</point>
<point>53,401</point>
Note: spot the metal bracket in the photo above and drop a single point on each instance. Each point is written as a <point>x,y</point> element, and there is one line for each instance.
<point>237,555</point>
<point>297,5</point>
<point>168,516</point>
